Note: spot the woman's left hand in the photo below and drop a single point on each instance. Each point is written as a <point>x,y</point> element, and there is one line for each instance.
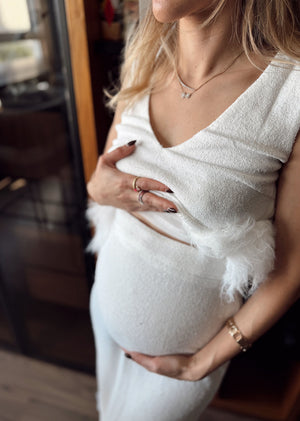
<point>177,366</point>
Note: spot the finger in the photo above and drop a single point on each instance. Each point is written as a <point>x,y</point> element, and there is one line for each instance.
<point>156,203</point>
<point>146,361</point>
<point>166,365</point>
<point>175,366</point>
<point>119,153</point>
<point>149,184</point>
<point>142,359</point>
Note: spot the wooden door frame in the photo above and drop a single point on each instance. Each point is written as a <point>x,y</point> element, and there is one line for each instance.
<point>76,25</point>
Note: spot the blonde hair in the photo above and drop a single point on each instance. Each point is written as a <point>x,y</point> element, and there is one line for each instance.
<point>263,28</point>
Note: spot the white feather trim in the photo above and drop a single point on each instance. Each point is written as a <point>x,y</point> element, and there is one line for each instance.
<point>100,217</point>
<point>248,247</point>
<point>251,262</point>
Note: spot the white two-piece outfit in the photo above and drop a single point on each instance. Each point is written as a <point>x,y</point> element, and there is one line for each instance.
<point>158,296</point>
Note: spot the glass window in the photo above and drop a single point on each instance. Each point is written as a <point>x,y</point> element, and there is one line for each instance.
<point>14,16</point>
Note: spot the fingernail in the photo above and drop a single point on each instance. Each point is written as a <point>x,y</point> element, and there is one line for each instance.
<point>169,191</point>
<point>132,142</point>
<point>127,355</point>
<point>171,210</point>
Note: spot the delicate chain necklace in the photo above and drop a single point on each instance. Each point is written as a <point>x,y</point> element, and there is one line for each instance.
<point>184,87</point>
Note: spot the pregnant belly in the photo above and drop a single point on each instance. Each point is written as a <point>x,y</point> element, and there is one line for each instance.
<point>155,294</point>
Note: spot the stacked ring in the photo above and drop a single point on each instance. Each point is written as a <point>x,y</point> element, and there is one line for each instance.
<point>134,186</point>
<point>140,196</point>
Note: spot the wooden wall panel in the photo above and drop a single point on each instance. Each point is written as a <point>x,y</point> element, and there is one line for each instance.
<point>82,84</point>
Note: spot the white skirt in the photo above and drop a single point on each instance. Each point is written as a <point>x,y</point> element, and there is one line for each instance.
<point>157,296</point>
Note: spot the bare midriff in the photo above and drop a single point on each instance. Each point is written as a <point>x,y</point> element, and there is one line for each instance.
<point>146,222</point>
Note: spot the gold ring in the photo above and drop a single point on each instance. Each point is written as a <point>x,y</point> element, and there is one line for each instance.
<point>134,186</point>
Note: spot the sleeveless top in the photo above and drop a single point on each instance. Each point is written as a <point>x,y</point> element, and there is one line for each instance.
<point>223,177</point>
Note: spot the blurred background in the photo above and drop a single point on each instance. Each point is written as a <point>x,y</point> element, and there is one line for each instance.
<point>56,56</point>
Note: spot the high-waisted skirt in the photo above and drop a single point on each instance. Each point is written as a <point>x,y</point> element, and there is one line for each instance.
<point>157,296</point>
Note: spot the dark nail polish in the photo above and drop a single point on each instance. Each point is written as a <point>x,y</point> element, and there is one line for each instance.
<point>169,191</point>
<point>171,210</point>
<point>132,142</point>
<point>128,355</point>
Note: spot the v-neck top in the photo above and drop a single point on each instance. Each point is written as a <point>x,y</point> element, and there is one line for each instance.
<point>223,177</point>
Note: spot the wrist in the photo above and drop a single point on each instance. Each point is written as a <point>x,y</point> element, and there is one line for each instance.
<point>199,366</point>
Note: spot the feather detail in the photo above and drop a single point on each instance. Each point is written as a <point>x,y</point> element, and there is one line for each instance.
<point>248,247</point>
<point>100,217</point>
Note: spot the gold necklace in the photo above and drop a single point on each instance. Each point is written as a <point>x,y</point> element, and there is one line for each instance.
<point>184,87</point>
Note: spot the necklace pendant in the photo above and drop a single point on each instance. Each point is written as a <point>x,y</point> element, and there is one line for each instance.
<point>185,95</point>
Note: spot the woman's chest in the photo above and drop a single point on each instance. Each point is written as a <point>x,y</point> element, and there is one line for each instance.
<point>175,119</point>
<point>228,169</point>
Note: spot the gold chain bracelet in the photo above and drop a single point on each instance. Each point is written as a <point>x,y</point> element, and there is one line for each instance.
<point>234,331</point>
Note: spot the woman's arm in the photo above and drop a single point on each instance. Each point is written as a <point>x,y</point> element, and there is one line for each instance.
<point>270,301</point>
<point>282,288</point>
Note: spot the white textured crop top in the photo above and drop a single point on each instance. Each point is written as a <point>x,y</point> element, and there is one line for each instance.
<point>223,177</point>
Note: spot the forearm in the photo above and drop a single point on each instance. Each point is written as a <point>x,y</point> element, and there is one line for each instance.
<point>271,300</point>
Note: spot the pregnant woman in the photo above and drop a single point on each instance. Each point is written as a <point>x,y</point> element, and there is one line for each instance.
<point>195,202</point>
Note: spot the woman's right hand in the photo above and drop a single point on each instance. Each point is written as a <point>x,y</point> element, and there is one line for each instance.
<point>109,186</point>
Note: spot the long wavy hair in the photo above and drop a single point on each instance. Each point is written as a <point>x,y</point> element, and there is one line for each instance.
<point>261,27</point>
